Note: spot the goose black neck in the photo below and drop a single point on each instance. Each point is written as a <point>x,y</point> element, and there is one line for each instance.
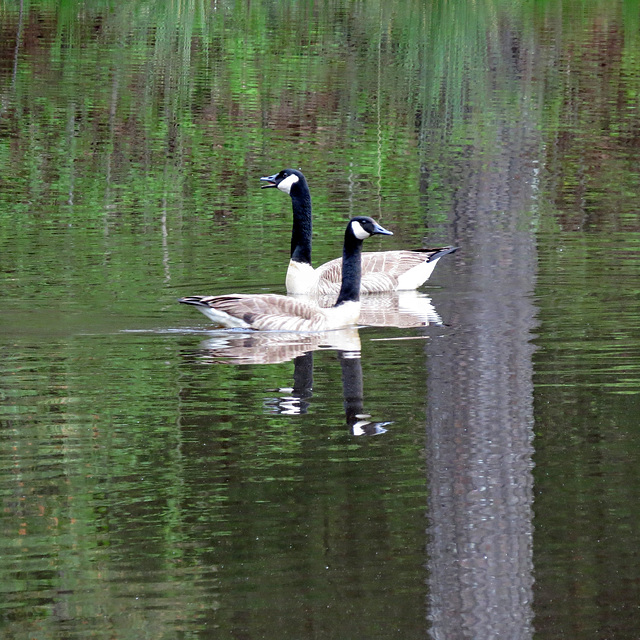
<point>302,226</point>
<point>351,269</point>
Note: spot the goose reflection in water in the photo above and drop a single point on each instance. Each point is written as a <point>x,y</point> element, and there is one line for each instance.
<point>273,348</point>
<point>297,399</point>
<point>398,309</point>
<point>359,423</point>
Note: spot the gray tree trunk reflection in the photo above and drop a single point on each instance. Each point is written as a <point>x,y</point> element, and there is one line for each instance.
<point>480,411</point>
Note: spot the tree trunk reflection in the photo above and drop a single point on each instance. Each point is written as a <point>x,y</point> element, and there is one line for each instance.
<point>480,417</point>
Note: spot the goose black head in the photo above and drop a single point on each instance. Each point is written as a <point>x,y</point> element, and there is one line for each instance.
<point>363,227</point>
<point>286,180</point>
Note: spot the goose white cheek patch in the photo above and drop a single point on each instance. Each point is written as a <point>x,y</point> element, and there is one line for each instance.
<point>358,230</point>
<point>287,183</point>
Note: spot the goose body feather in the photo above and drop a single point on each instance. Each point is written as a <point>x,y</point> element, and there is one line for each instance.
<point>381,271</point>
<point>272,312</point>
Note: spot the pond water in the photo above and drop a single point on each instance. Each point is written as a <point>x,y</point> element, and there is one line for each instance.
<point>473,478</point>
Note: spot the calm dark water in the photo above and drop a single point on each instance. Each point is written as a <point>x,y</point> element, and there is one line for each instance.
<point>476,478</point>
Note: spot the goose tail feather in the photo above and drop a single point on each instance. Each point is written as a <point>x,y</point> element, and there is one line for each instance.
<point>438,253</point>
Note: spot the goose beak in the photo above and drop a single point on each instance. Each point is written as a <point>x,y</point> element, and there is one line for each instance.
<point>381,230</point>
<point>271,180</point>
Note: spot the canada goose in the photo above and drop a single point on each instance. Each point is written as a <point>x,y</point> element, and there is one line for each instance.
<point>381,271</point>
<point>271,312</point>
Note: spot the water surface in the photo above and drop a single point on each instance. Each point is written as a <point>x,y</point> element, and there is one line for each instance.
<point>474,478</point>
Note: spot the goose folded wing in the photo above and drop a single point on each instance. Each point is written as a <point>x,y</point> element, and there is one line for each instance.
<point>269,311</point>
<point>380,270</point>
